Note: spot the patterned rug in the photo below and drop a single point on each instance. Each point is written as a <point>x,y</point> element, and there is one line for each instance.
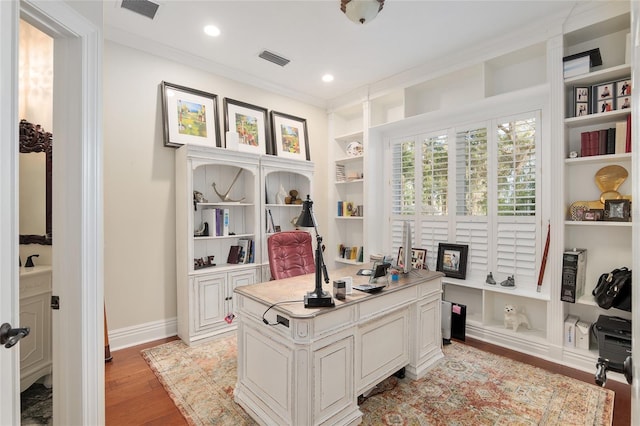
<point>467,387</point>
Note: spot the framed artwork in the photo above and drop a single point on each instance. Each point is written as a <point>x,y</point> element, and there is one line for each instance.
<point>290,138</point>
<point>452,260</point>
<point>250,124</point>
<point>617,210</point>
<point>581,101</point>
<point>190,116</point>
<point>418,258</point>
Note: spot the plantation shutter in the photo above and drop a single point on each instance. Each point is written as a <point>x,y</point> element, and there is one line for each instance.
<point>403,178</point>
<point>516,198</point>
<point>435,165</point>
<point>471,173</point>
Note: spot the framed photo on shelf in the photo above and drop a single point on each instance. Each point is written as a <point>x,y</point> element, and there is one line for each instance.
<point>603,91</point>
<point>452,260</point>
<point>190,116</point>
<point>591,215</point>
<point>623,88</point>
<point>623,94</point>
<point>418,258</point>
<point>581,101</point>
<point>617,210</point>
<point>249,123</point>
<point>290,137</point>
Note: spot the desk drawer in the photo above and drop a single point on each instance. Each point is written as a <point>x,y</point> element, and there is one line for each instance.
<point>387,301</point>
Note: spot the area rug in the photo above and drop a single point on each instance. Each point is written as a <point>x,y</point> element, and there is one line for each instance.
<point>466,387</point>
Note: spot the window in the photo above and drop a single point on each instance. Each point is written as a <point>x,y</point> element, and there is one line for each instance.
<point>493,193</point>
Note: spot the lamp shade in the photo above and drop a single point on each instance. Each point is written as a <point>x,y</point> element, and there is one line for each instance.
<point>305,220</point>
<point>361,11</point>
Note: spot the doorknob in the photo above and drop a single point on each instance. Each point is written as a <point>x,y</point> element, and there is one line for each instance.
<point>10,336</point>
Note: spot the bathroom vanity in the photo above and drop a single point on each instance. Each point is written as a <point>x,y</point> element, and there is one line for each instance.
<point>35,313</point>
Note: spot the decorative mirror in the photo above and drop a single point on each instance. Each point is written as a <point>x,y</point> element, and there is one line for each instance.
<point>34,140</point>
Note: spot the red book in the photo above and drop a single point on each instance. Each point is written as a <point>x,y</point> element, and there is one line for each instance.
<point>594,142</point>
<point>628,143</point>
<point>584,144</point>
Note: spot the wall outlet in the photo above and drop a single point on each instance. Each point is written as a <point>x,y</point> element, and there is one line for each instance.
<point>282,320</point>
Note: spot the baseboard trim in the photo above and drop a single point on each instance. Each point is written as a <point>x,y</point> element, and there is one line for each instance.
<point>142,333</point>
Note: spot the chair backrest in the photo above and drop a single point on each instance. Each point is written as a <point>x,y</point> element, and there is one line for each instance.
<point>290,254</point>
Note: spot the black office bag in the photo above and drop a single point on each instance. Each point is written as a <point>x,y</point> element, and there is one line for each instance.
<point>613,290</point>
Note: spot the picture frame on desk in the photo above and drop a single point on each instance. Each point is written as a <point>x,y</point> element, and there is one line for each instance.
<point>250,123</point>
<point>617,210</point>
<point>452,260</point>
<point>190,116</point>
<point>290,138</point>
<point>418,258</point>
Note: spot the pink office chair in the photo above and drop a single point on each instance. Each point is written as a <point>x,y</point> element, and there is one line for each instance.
<point>290,254</point>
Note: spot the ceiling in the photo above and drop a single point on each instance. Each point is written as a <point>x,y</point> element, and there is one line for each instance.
<point>318,38</point>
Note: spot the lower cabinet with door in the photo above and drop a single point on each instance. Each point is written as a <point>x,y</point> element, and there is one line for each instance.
<point>211,307</point>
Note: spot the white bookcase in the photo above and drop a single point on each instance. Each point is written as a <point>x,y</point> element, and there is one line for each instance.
<point>247,184</point>
<point>608,243</point>
<point>277,173</point>
<point>348,178</point>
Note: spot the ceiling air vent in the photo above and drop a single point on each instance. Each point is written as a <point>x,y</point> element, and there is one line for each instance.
<point>272,57</point>
<point>143,7</point>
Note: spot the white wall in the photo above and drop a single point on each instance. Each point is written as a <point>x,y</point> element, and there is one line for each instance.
<point>139,184</point>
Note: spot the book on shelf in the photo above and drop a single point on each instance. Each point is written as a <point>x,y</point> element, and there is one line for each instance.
<point>628,135</point>
<point>621,137</point>
<point>234,255</point>
<point>611,140</point>
<point>219,219</point>
<point>602,141</point>
<point>339,212</point>
<point>246,246</point>
<point>225,222</point>
<point>209,217</point>
<point>340,173</point>
<point>574,264</point>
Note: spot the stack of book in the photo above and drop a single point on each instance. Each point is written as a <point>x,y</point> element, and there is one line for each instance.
<point>243,252</point>
<point>350,253</point>
<point>218,221</point>
<point>614,140</point>
<point>340,173</point>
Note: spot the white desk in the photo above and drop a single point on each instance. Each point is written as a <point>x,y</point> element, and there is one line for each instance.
<point>312,371</point>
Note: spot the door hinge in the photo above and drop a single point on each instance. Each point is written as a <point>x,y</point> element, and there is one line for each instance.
<point>55,302</point>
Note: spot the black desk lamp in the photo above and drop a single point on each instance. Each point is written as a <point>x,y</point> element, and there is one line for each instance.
<point>317,298</point>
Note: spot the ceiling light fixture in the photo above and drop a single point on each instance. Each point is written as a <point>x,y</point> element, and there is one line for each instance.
<point>212,30</point>
<point>361,11</point>
<point>327,78</point>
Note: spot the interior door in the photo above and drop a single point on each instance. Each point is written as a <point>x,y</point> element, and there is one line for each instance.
<point>9,287</point>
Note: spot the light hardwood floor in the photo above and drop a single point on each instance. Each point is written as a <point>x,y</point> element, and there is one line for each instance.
<point>134,396</point>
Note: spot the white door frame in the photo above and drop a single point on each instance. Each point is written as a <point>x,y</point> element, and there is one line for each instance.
<point>78,339</point>
<point>9,291</point>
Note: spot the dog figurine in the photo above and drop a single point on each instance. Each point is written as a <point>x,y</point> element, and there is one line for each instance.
<point>514,318</point>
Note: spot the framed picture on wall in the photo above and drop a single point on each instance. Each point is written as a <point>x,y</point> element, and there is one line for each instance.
<point>190,116</point>
<point>290,138</point>
<point>452,260</point>
<point>249,123</point>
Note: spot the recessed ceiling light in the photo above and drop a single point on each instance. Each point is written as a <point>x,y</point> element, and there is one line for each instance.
<point>212,30</point>
<point>327,78</point>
